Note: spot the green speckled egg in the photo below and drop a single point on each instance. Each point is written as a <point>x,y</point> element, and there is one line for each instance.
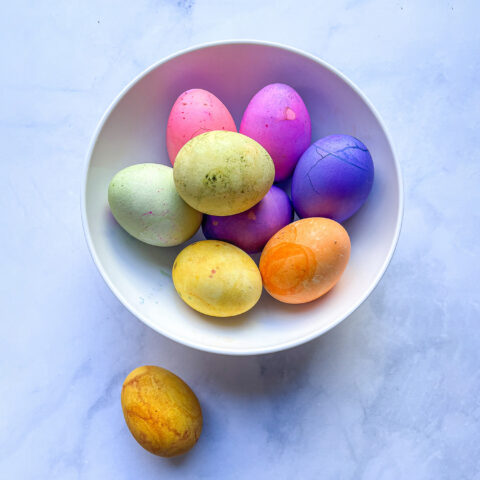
<point>144,201</point>
<point>223,173</point>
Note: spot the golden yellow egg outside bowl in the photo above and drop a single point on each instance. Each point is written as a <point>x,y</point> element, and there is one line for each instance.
<point>162,412</point>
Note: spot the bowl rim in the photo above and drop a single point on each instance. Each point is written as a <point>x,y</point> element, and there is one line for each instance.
<point>225,350</point>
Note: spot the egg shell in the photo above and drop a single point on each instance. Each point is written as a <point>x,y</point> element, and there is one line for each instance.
<point>217,278</point>
<point>278,119</point>
<point>333,178</point>
<point>252,229</point>
<point>194,112</point>
<point>144,201</point>
<point>223,173</point>
<point>304,260</point>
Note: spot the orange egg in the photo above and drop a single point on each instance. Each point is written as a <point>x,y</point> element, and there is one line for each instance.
<point>304,260</point>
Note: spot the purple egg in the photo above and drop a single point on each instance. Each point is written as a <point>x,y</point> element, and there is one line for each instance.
<point>277,119</point>
<point>332,178</point>
<point>251,230</point>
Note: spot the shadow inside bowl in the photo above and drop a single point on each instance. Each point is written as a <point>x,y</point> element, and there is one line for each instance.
<point>163,257</point>
<point>293,309</point>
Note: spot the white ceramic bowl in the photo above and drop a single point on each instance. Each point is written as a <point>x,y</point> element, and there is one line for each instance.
<point>132,130</point>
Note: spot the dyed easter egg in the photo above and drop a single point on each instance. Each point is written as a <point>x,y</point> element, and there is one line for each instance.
<point>332,178</point>
<point>144,201</point>
<point>216,278</point>
<point>250,230</point>
<point>304,260</point>
<point>223,173</point>
<point>161,411</point>
<point>277,119</point>
<point>194,112</point>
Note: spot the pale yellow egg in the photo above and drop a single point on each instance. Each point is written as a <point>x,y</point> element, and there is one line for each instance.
<point>217,278</point>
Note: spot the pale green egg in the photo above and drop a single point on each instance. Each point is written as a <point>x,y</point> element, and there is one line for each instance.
<point>144,201</point>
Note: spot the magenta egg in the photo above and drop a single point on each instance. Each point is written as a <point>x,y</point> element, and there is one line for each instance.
<point>251,230</point>
<point>277,119</point>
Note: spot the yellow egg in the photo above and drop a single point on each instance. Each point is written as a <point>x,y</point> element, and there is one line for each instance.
<point>161,411</point>
<point>223,173</point>
<point>217,278</point>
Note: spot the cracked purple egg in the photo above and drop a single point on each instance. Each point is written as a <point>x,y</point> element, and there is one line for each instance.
<point>332,178</point>
<point>277,119</point>
<point>251,230</point>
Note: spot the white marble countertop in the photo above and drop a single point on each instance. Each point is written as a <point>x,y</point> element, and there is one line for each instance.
<point>391,393</point>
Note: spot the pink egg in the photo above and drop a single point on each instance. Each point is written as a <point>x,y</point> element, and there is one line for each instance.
<point>195,111</point>
<point>277,119</point>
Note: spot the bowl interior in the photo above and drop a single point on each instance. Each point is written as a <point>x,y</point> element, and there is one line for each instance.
<point>133,131</point>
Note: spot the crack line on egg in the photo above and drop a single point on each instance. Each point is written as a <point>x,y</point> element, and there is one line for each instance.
<point>321,152</point>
